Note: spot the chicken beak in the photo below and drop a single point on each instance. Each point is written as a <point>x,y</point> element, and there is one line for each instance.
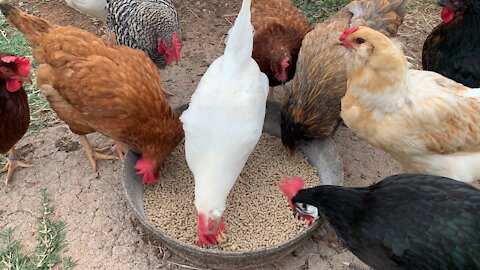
<point>23,79</point>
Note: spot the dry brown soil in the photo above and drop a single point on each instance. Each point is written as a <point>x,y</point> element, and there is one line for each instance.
<point>102,233</point>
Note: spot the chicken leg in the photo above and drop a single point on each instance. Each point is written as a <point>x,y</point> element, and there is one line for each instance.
<point>117,147</point>
<point>12,164</point>
<point>94,155</point>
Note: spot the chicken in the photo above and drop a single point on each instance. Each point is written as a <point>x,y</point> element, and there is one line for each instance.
<point>222,124</point>
<point>115,91</point>
<point>406,221</point>
<point>149,25</point>
<point>427,122</point>
<point>453,47</point>
<point>95,8</point>
<point>14,110</point>
<point>279,30</point>
<point>311,109</point>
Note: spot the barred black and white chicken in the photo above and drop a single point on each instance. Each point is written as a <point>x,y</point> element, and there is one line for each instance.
<point>149,25</point>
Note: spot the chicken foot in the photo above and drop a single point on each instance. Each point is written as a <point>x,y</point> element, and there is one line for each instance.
<point>94,155</point>
<point>117,147</point>
<point>12,164</point>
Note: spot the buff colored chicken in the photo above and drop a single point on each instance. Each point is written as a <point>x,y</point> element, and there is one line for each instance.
<point>93,87</point>
<point>311,110</point>
<point>427,122</point>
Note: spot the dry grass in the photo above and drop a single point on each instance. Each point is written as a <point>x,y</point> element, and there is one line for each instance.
<point>422,16</point>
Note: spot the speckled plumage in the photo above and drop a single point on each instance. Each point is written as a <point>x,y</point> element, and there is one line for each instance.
<point>406,221</point>
<point>139,23</point>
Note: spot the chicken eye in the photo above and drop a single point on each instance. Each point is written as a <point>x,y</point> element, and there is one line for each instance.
<point>359,40</point>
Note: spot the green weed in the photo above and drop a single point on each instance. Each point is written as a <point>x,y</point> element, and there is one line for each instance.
<point>13,42</point>
<point>51,242</point>
<point>319,10</point>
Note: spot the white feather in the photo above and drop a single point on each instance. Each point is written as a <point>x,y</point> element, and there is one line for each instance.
<point>95,8</point>
<point>225,118</point>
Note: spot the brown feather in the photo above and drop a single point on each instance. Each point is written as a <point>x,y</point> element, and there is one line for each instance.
<point>313,104</point>
<point>14,112</point>
<point>115,91</point>
<point>279,31</point>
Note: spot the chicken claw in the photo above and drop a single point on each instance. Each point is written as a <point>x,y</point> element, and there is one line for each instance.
<point>93,155</point>
<point>118,147</point>
<point>11,165</point>
<point>120,150</point>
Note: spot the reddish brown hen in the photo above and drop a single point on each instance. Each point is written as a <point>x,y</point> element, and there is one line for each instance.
<point>14,110</point>
<point>279,30</point>
<point>115,91</point>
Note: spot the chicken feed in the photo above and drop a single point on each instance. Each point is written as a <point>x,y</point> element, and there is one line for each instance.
<point>257,214</point>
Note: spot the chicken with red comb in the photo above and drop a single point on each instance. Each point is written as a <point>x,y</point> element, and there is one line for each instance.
<point>290,188</point>
<point>14,110</point>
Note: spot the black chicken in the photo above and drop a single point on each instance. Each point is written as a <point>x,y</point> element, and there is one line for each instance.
<point>407,221</point>
<point>453,47</point>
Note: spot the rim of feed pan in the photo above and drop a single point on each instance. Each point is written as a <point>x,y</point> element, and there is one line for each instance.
<point>321,154</point>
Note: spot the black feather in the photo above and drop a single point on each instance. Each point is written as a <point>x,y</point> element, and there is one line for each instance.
<point>406,221</point>
<point>453,49</point>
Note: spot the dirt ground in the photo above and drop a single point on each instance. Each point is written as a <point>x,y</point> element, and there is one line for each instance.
<point>102,233</point>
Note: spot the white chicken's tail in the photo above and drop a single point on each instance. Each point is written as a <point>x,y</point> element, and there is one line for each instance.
<point>239,47</point>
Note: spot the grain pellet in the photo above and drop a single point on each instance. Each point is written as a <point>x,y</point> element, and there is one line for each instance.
<point>257,215</point>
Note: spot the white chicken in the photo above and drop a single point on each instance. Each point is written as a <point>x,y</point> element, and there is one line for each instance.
<point>223,124</point>
<point>95,8</point>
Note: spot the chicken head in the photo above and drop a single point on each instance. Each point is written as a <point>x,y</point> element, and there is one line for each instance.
<point>15,71</point>
<point>453,8</point>
<point>147,168</point>
<point>281,69</point>
<point>171,52</point>
<point>210,228</point>
<point>290,188</point>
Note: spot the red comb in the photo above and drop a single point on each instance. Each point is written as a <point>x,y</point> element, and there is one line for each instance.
<point>146,168</point>
<point>347,32</point>
<point>290,188</point>
<point>23,64</point>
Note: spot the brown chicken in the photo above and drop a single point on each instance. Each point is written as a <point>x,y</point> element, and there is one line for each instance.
<point>14,110</point>
<point>279,30</point>
<point>311,109</point>
<point>115,91</point>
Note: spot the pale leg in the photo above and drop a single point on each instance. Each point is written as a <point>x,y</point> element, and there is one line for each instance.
<point>93,155</point>
<point>12,164</point>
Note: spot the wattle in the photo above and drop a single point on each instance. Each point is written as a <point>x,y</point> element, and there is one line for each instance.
<point>13,85</point>
<point>447,14</point>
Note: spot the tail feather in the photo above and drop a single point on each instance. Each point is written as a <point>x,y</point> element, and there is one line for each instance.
<point>240,37</point>
<point>385,16</point>
<point>29,25</point>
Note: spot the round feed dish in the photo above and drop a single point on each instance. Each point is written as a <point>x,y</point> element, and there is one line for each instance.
<point>321,154</point>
